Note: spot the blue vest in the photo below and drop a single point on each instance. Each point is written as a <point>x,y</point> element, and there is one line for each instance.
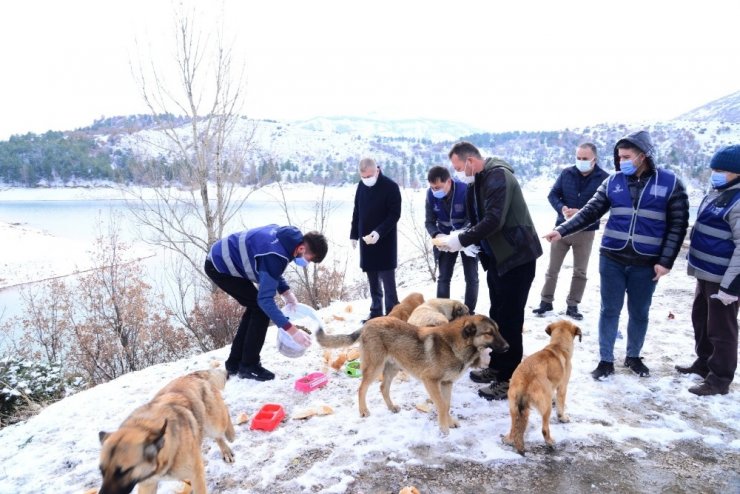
<point>712,245</point>
<point>237,254</point>
<point>455,218</point>
<point>646,225</point>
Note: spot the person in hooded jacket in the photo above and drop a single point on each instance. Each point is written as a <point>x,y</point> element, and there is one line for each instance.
<point>500,224</point>
<point>374,219</point>
<point>648,218</point>
<point>249,266</point>
<point>714,259</point>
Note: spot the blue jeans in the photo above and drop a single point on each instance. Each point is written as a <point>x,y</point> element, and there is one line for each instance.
<point>616,279</point>
<point>446,262</point>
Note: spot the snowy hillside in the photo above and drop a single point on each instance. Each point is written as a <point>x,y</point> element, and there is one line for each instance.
<point>725,110</point>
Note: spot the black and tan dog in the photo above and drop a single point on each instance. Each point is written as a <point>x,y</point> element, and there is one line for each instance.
<point>437,356</point>
<point>537,378</point>
<point>437,311</point>
<point>162,439</point>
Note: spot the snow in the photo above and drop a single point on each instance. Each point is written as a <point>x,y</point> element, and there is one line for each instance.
<point>59,447</point>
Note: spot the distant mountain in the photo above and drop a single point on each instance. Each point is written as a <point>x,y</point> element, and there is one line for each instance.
<point>428,129</point>
<point>726,110</point>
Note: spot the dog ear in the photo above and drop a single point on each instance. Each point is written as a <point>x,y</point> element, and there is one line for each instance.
<point>578,333</point>
<point>102,435</point>
<point>548,329</point>
<point>157,442</point>
<point>469,329</point>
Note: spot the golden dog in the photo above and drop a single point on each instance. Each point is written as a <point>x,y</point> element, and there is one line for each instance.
<point>437,311</point>
<point>437,356</point>
<point>537,378</point>
<point>162,439</point>
<point>403,309</point>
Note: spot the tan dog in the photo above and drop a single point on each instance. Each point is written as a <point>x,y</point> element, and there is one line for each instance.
<point>537,378</point>
<point>162,439</point>
<point>437,356</point>
<point>437,311</point>
<point>403,309</point>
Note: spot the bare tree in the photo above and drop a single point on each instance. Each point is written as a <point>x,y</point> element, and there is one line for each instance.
<point>195,178</point>
<point>417,234</point>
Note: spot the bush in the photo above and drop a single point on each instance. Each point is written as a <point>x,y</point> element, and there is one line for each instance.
<point>26,386</point>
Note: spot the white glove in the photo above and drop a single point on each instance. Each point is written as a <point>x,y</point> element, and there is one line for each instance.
<point>371,238</point>
<point>471,250</point>
<point>725,298</point>
<point>451,242</point>
<point>299,336</point>
<point>289,298</point>
<point>354,243</point>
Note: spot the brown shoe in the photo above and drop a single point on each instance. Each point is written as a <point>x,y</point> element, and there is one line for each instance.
<point>706,389</point>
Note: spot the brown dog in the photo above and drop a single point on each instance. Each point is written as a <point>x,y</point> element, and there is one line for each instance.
<point>437,356</point>
<point>537,378</point>
<point>162,439</point>
<point>437,311</point>
<point>403,309</point>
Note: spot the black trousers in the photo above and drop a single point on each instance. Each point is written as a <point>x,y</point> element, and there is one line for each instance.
<point>715,334</point>
<point>509,294</point>
<point>446,262</point>
<point>250,335</point>
<point>388,280</point>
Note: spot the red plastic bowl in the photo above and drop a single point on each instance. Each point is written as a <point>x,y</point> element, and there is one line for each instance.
<point>269,416</point>
<point>311,382</point>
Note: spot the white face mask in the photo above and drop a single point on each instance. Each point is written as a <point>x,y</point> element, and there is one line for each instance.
<point>460,175</point>
<point>583,165</point>
<point>370,181</point>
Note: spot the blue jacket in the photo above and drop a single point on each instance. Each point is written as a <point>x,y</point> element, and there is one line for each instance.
<point>715,244</point>
<point>645,224</point>
<point>573,190</point>
<point>446,214</point>
<point>261,256</point>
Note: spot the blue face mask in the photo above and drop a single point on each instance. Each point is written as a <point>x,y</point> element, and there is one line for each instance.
<point>718,179</point>
<point>627,167</point>
<point>300,262</point>
<point>439,194</point>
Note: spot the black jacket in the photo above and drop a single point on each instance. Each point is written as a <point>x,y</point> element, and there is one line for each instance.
<point>377,208</point>
<point>677,221</point>
<point>573,190</point>
<point>500,220</point>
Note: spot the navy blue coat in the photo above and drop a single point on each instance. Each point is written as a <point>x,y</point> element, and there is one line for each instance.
<point>574,190</point>
<point>377,208</point>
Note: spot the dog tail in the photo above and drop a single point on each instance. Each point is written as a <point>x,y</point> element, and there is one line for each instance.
<point>337,341</point>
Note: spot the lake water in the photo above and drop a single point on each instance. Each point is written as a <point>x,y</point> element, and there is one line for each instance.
<point>82,219</point>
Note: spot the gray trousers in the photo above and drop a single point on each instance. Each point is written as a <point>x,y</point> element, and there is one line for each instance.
<point>581,243</point>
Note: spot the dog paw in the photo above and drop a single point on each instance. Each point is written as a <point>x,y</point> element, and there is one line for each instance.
<point>228,457</point>
<point>394,408</point>
<point>364,413</point>
<point>564,418</point>
<point>454,423</point>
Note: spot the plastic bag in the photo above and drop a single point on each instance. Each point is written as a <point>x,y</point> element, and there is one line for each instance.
<point>299,315</point>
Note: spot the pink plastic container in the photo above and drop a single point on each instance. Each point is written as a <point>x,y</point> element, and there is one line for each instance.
<point>269,416</point>
<point>311,382</point>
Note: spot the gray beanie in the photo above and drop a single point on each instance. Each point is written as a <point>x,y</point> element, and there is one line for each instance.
<point>727,159</point>
<point>640,139</point>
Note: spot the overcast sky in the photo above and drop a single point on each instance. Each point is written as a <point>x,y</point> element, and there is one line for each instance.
<point>498,65</point>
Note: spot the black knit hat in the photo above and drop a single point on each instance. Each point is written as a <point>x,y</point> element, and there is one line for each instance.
<point>640,139</point>
<point>727,159</point>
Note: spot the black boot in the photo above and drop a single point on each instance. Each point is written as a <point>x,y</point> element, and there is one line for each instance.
<point>544,307</point>
<point>572,312</point>
<point>604,369</point>
<point>695,368</point>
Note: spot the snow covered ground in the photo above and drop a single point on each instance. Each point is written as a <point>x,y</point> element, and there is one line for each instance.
<point>623,429</point>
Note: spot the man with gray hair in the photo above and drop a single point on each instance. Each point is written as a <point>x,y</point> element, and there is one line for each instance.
<point>374,218</point>
<point>573,188</point>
